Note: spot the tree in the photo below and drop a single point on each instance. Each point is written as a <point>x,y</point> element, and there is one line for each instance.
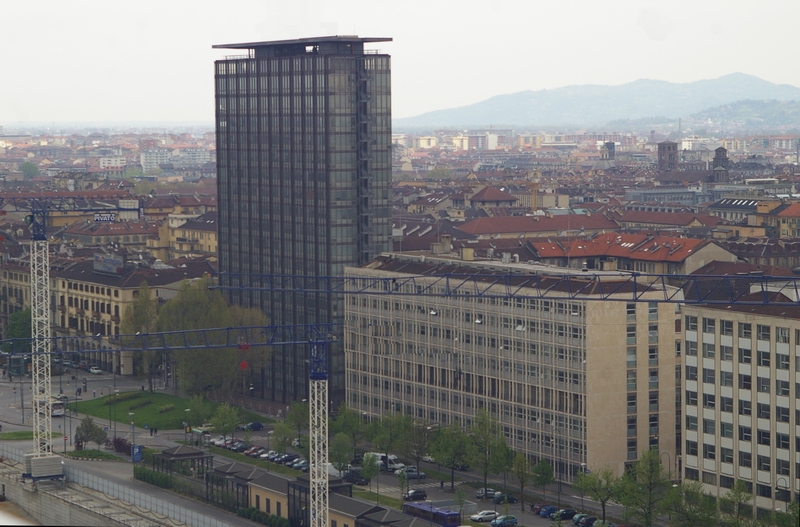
<point>88,431</point>
<point>369,467</point>
<point>689,506</point>
<point>282,435</point>
<point>351,423</point>
<point>418,441</point>
<point>29,170</point>
<point>388,432</point>
<point>255,357</point>
<point>438,173</point>
<point>789,518</point>
<point>488,454</point>
<point>601,486</point>
<point>225,419</point>
<point>339,452</point>
<point>736,506</point>
<point>542,475</point>
<point>452,448</point>
<point>198,307</point>
<point>644,489</point>
<point>200,411</point>
<point>522,474</point>
<point>19,327</point>
<point>297,417</point>
<point>141,317</point>
<point>402,482</point>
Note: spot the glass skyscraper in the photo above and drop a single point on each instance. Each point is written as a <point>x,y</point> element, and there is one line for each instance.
<point>304,172</point>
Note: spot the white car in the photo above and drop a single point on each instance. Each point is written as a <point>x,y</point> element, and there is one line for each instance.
<point>94,370</point>
<point>483,516</point>
<point>428,458</point>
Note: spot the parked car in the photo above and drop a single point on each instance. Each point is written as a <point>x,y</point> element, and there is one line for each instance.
<point>289,459</point>
<point>241,447</point>
<point>94,370</point>
<point>415,495</point>
<point>411,473</point>
<point>484,516</point>
<point>578,517</point>
<point>258,451</point>
<point>355,477</point>
<point>506,520</point>
<point>298,465</point>
<point>255,426</point>
<point>428,458</point>
<point>547,511</point>
<point>564,514</point>
<point>357,459</point>
<point>536,507</point>
<point>500,497</point>
<point>588,521</point>
<point>485,493</point>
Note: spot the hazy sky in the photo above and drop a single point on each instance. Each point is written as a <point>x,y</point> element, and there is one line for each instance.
<point>120,60</point>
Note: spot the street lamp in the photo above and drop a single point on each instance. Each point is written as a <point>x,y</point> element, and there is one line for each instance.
<point>583,471</point>
<point>778,487</point>
<point>133,435</point>
<point>116,392</point>
<point>186,425</point>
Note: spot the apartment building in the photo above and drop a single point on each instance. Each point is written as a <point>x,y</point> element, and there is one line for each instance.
<point>742,418</point>
<point>581,383</point>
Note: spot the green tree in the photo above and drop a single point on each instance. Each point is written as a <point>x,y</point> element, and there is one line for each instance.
<point>202,369</point>
<point>141,318</point>
<point>452,448</point>
<point>736,506</point>
<point>388,432</point>
<point>369,467</point>
<point>542,475</point>
<point>601,486</point>
<point>255,357</point>
<point>19,327</point>
<point>88,431</point>
<point>225,419</point>
<point>788,518</point>
<point>29,170</point>
<point>339,452</point>
<point>489,446</point>
<point>438,173</point>
<point>418,441</point>
<point>297,417</point>
<point>644,488</point>
<point>350,422</point>
<point>689,506</point>
<point>282,435</point>
<point>402,482</point>
<point>200,411</point>
<point>522,474</point>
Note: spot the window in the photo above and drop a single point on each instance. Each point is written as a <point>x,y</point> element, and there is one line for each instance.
<point>631,403</point>
<point>762,463</point>
<point>745,459</point>
<point>763,384</point>
<point>782,387</point>
<point>763,358</point>
<point>710,478</point>
<point>726,327</point>
<point>653,380</point>
<point>726,352</point>
<point>652,355</point>
<point>709,426</point>
<point>709,375</point>
<point>726,429</point>
<point>782,414</point>
<point>709,451</point>
<point>762,411</point>
<point>726,455</point>
<point>653,396</point>
<point>631,357</point>
<point>726,404</point>
<point>691,448</point>
<point>763,437</point>
<point>762,332</point>
<point>709,350</point>
<point>782,467</point>
<point>691,398</point>
<point>782,335</point>
<point>745,382</point>
<point>744,330</point>
<point>691,373</point>
<point>745,433</point>
<point>765,491</point>
<point>691,348</point>
<point>726,482</point>
<point>709,400</point>
<point>745,407</point>
<point>709,325</point>
<point>691,422</point>
<point>782,361</point>
<point>725,378</point>
<point>782,441</point>
<point>691,473</point>
<point>745,356</point>
<point>631,335</point>
<point>691,323</point>
<point>631,380</point>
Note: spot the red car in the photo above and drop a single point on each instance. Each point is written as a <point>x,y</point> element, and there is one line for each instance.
<point>535,508</point>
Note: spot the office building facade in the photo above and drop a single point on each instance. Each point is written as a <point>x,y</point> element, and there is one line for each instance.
<point>304,171</point>
<point>580,383</point>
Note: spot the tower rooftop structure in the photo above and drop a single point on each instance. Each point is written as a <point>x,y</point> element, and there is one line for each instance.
<point>322,45</point>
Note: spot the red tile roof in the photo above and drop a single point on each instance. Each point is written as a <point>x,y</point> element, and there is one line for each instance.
<point>536,224</point>
<point>620,245</point>
<point>492,194</point>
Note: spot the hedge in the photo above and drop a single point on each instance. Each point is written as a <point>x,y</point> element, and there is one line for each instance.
<point>251,513</point>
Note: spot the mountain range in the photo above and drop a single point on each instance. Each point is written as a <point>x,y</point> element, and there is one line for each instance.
<point>590,104</point>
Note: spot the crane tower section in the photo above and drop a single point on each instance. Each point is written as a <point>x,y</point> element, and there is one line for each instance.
<point>318,431</point>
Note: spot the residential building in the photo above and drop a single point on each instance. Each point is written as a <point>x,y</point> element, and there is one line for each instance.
<point>304,172</point>
<point>741,392</point>
<point>571,381</point>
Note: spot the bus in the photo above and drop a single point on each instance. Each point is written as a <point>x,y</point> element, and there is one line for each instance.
<point>439,516</point>
<point>56,407</point>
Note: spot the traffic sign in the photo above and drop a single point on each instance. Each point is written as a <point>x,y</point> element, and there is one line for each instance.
<point>65,438</point>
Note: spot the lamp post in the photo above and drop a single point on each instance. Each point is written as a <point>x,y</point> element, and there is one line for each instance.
<point>583,471</point>
<point>186,425</point>
<point>778,487</point>
<point>133,435</point>
<point>116,392</point>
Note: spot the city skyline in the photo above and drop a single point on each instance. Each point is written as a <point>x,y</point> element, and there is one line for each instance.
<point>77,64</point>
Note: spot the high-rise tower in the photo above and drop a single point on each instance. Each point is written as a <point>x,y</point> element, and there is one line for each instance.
<point>304,173</point>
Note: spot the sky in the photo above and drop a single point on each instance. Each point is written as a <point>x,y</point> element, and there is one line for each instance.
<point>122,61</point>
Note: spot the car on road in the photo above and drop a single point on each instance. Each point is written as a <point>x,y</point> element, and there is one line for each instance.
<point>547,511</point>
<point>355,477</point>
<point>94,370</point>
<point>428,458</point>
<point>289,459</point>
<point>588,521</point>
<point>500,497</point>
<point>506,520</point>
<point>255,426</point>
<point>411,473</point>
<point>415,495</point>
<point>578,517</point>
<point>483,516</point>
<point>564,514</point>
<point>485,493</point>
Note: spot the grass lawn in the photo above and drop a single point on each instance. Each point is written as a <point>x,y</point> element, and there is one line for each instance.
<point>260,463</point>
<point>394,503</point>
<point>22,435</point>
<point>92,454</point>
<point>149,409</point>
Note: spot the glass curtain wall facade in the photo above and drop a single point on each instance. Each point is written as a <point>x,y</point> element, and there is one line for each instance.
<point>304,173</point>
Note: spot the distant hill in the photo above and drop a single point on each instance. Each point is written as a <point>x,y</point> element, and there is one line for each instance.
<point>754,114</point>
<point>591,104</point>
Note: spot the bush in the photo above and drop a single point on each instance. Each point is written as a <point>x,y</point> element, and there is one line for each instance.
<point>154,478</point>
<point>121,445</point>
<point>122,397</point>
<point>166,408</point>
<point>140,405</point>
<point>251,513</point>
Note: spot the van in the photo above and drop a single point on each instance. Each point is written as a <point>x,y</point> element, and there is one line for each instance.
<point>388,462</point>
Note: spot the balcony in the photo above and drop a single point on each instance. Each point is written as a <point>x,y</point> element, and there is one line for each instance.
<point>62,308</point>
<point>95,314</point>
<point>80,311</point>
<point>115,318</point>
